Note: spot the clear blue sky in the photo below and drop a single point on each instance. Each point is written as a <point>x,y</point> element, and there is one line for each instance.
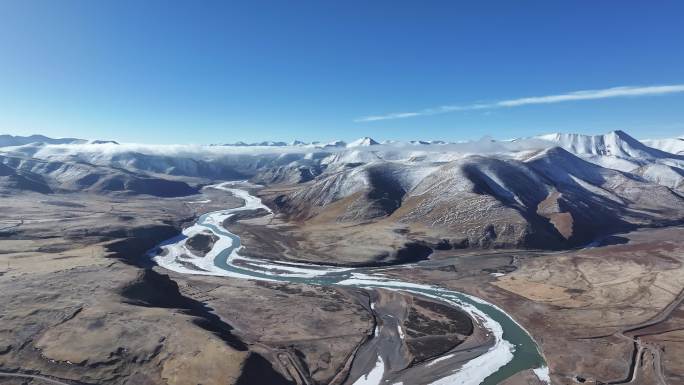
<point>218,71</point>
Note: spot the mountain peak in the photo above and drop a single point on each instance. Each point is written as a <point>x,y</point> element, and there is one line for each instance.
<point>615,143</point>
<point>335,143</point>
<point>622,136</point>
<point>363,142</point>
<point>104,142</point>
<point>10,140</point>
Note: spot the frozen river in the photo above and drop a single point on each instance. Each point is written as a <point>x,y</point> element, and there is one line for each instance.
<point>510,351</point>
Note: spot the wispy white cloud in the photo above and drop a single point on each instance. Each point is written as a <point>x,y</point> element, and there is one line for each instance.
<point>614,92</point>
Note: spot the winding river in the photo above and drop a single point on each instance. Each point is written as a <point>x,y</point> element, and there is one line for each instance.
<point>511,351</point>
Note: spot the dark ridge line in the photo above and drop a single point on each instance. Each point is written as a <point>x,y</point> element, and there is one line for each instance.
<point>258,370</point>
<point>153,289</point>
<point>631,373</point>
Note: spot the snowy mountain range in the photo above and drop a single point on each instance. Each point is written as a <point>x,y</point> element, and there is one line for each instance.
<point>662,162</point>
<point>10,140</point>
<point>672,145</point>
<point>545,191</point>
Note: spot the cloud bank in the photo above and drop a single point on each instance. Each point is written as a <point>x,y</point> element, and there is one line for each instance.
<point>606,93</point>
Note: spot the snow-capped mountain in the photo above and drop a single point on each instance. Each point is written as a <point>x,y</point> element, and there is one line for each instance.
<point>30,174</point>
<point>672,145</point>
<point>10,140</point>
<point>103,142</point>
<point>299,162</point>
<point>260,144</point>
<point>546,198</point>
<point>554,190</point>
<point>617,150</point>
<point>616,144</point>
<point>363,142</point>
<point>335,144</point>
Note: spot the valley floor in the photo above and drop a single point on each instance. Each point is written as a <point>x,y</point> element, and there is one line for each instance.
<point>81,307</point>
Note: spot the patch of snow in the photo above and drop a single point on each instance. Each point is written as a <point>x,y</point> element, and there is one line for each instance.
<point>374,377</point>
<point>477,369</point>
<point>439,359</point>
<point>662,174</point>
<point>175,249</point>
<point>473,371</point>
<point>543,374</point>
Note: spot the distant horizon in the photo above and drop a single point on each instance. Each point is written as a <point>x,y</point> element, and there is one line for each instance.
<point>346,140</point>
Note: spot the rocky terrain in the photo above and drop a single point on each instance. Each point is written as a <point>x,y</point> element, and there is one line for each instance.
<point>543,199</point>
<point>81,307</point>
<point>575,236</point>
<point>30,174</point>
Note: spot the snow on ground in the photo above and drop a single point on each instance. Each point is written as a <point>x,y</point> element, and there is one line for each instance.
<point>472,372</point>
<point>615,143</point>
<point>615,150</point>
<point>439,359</point>
<point>671,145</point>
<point>475,370</point>
<point>374,377</point>
<point>543,374</point>
<point>663,175</point>
<point>179,258</point>
<point>302,272</point>
<point>365,280</point>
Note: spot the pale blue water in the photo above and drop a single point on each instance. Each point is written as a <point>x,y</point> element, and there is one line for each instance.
<point>525,356</point>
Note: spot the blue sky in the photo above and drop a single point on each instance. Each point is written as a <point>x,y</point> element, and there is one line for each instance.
<point>221,71</point>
